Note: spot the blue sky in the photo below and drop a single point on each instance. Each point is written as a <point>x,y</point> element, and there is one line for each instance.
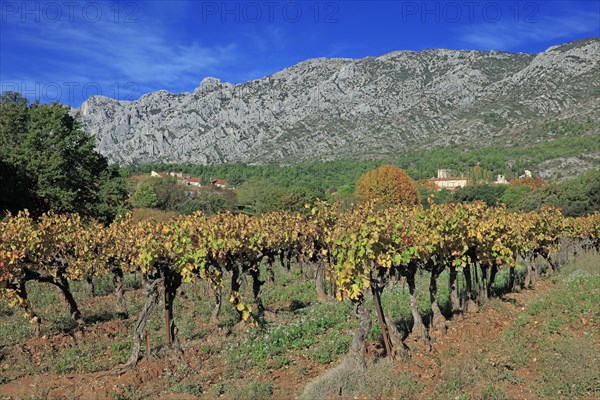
<point>66,51</point>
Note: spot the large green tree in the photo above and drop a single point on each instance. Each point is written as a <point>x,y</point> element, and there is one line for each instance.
<point>164,193</point>
<point>263,195</point>
<point>490,194</point>
<point>577,196</point>
<point>49,162</point>
<point>209,201</point>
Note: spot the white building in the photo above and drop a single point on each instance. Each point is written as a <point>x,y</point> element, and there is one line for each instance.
<point>501,180</point>
<point>527,174</point>
<point>443,181</point>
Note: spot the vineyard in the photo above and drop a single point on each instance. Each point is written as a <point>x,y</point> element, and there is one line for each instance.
<point>352,256</point>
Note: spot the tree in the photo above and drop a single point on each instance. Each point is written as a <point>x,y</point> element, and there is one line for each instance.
<point>169,193</point>
<point>209,201</point>
<point>515,196</point>
<point>112,192</point>
<point>260,195</point>
<point>388,185</point>
<point>15,192</point>
<point>15,185</point>
<point>533,201</point>
<point>577,196</point>
<point>49,162</point>
<point>532,183</point>
<point>13,120</point>
<point>478,175</point>
<point>294,199</point>
<point>490,194</point>
<point>442,196</point>
<point>145,196</point>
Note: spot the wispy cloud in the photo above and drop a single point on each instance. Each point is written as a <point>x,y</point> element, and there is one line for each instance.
<point>265,38</point>
<point>508,34</point>
<point>108,52</point>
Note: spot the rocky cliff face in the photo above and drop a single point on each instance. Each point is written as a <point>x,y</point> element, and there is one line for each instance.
<point>372,107</point>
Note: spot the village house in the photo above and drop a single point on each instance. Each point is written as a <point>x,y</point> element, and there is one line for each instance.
<point>190,180</point>
<point>444,181</point>
<point>501,180</point>
<point>193,181</point>
<point>527,174</point>
<point>181,179</point>
<point>218,183</point>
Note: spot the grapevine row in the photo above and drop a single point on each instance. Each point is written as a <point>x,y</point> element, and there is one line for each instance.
<point>358,251</point>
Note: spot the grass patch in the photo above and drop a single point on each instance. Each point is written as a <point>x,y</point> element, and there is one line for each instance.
<point>556,336</point>
<point>348,380</point>
<point>322,331</point>
<point>75,360</point>
<point>128,392</point>
<point>189,388</point>
<point>255,390</point>
<point>570,368</point>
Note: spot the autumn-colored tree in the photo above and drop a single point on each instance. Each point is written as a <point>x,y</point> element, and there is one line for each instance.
<point>532,183</point>
<point>427,184</point>
<point>388,185</point>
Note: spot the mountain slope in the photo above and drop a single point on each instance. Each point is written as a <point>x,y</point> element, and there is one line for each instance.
<point>372,107</point>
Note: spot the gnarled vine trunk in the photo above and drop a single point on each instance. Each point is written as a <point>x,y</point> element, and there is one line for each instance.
<point>63,284</point>
<point>491,286</point>
<point>36,321</point>
<point>151,293</point>
<point>256,285</point>
<point>281,258</point>
<point>358,349</point>
<point>270,271</point>
<point>470,305</point>
<point>398,345</point>
<point>453,286</point>
<point>214,315</point>
<point>235,288</point>
<point>512,279</point>
<point>418,325</point>
<point>553,265</point>
<point>319,276</point>
<point>89,286</point>
<point>117,278</point>
<point>438,321</point>
<point>483,291</point>
<point>376,290</point>
<point>172,282</point>
<point>531,271</point>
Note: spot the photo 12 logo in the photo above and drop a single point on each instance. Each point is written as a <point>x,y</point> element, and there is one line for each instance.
<point>70,92</point>
<point>469,11</point>
<point>68,11</point>
<point>326,12</point>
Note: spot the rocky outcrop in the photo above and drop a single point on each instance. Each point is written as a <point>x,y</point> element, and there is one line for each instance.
<point>371,107</point>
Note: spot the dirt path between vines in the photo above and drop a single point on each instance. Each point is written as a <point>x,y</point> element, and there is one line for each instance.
<point>471,335</point>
